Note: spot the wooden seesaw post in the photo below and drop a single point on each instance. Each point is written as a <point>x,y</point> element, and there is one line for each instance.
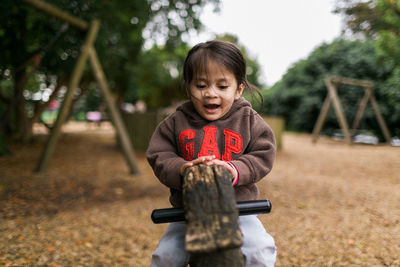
<point>213,237</point>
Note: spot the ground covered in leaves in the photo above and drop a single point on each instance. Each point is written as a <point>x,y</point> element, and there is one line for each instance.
<point>333,205</point>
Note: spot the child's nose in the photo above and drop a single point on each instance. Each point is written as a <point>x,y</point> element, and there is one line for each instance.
<point>210,92</point>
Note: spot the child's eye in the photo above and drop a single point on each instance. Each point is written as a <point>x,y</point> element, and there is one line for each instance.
<point>201,86</point>
<point>222,87</point>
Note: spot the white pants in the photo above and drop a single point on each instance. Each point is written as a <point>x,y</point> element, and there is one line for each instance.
<point>258,246</point>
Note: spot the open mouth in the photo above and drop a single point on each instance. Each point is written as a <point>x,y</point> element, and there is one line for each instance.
<point>211,107</point>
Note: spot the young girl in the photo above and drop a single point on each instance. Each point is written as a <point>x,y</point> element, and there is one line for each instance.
<point>216,126</point>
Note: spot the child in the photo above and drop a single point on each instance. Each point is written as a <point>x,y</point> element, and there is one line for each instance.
<point>217,126</point>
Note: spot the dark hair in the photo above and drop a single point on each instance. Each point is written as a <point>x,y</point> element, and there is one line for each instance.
<point>221,52</point>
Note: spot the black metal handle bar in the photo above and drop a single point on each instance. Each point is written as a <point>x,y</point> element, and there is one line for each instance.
<point>177,214</point>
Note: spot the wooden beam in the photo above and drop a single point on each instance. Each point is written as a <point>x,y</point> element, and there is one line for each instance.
<point>332,83</point>
<point>339,111</point>
<point>115,115</point>
<point>361,109</point>
<point>321,118</point>
<point>65,107</point>
<point>58,13</point>
<point>349,81</point>
<point>213,237</point>
<point>87,50</point>
<point>381,121</point>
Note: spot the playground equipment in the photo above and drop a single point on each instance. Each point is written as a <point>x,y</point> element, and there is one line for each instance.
<point>213,237</point>
<point>251,207</point>
<point>88,53</point>
<point>332,84</point>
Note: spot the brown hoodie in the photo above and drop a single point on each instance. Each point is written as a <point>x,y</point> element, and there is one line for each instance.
<point>241,137</point>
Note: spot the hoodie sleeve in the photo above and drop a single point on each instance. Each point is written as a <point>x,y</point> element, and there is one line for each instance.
<point>163,156</point>
<point>259,155</point>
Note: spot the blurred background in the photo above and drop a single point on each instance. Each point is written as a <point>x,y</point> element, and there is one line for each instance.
<point>290,49</point>
<point>334,205</point>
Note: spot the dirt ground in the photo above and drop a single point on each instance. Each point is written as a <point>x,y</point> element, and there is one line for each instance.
<point>333,205</point>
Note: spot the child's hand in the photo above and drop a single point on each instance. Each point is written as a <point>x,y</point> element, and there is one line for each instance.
<point>230,167</point>
<point>207,160</point>
<point>211,160</point>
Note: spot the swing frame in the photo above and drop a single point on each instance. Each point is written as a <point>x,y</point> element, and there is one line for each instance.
<point>332,83</point>
<point>88,53</point>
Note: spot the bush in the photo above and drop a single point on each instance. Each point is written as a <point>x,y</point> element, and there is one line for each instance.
<point>299,95</point>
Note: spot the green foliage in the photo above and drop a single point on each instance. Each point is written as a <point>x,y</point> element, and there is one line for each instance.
<point>93,99</point>
<point>388,41</point>
<point>361,16</point>
<point>299,96</point>
<point>159,75</point>
<point>390,94</point>
<point>380,21</point>
<point>376,19</point>
<point>32,40</point>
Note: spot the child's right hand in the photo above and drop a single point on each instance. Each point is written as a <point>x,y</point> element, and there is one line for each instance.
<point>207,160</point>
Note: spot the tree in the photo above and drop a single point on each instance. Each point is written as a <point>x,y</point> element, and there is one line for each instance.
<point>375,19</point>
<point>378,20</point>
<point>40,50</point>
<point>159,75</point>
<point>298,97</point>
<point>159,72</point>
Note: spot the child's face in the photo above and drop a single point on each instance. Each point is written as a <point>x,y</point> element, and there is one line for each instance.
<point>214,92</point>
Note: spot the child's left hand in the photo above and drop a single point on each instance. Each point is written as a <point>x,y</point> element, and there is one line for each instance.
<point>211,160</point>
<point>230,168</point>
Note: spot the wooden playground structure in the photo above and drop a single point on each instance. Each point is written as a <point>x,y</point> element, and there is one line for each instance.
<point>88,53</point>
<point>332,84</point>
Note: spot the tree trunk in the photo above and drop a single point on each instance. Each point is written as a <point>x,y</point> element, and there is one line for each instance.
<point>16,112</point>
<point>20,106</point>
<point>213,237</point>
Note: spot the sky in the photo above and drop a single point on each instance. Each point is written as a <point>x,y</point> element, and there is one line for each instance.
<point>276,33</point>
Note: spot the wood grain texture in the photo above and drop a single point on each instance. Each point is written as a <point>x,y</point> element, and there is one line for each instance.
<point>213,235</point>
